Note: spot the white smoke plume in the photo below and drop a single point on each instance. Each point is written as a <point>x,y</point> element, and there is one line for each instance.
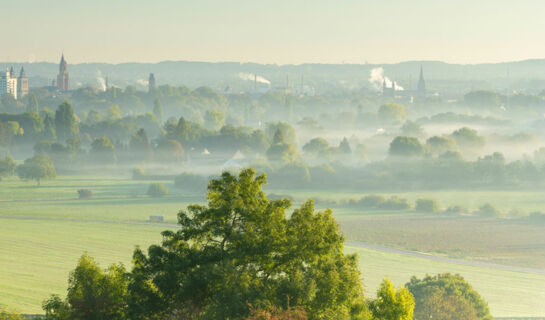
<point>142,82</point>
<point>252,77</point>
<point>101,81</point>
<point>376,78</point>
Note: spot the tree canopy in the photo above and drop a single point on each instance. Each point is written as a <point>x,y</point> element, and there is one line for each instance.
<point>40,167</point>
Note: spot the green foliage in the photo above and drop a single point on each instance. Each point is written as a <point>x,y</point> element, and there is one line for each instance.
<point>412,129</point>
<point>6,314</point>
<point>93,293</point>
<point>391,303</point>
<point>157,190</point>
<point>439,145</point>
<point>280,150</point>
<point>65,122</point>
<point>468,140</point>
<point>190,181</point>
<point>102,149</point>
<point>214,119</point>
<point>391,113</point>
<point>482,98</point>
<point>317,147</point>
<point>169,151</point>
<point>158,110</point>
<point>344,146</point>
<point>40,167</point>
<point>7,167</point>
<point>406,147</point>
<point>242,250</point>
<point>447,296</point>
<point>32,103</point>
<point>426,206</point>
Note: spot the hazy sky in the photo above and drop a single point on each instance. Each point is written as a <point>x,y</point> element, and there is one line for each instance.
<point>279,31</point>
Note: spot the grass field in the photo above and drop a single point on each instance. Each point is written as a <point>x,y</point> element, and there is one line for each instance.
<point>44,230</point>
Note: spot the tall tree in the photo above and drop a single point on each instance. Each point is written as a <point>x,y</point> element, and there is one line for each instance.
<point>32,103</point>
<point>65,122</point>
<point>241,250</point>
<point>158,110</point>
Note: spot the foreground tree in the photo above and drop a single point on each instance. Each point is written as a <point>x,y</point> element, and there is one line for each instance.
<point>447,296</point>
<point>392,304</point>
<point>40,167</point>
<point>93,293</point>
<point>6,314</point>
<point>240,251</point>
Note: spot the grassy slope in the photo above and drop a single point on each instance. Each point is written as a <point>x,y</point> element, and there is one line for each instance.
<point>508,293</point>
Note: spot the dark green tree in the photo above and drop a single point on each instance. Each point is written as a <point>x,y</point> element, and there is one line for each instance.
<point>406,147</point>
<point>158,110</point>
<point>7,167</point>
<point>65,122</point>
<point>242,250</point>
<point>32,103</point>
<point>40,167</point>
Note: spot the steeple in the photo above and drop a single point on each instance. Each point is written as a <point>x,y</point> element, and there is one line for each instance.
<point>22,73</point>
<point>151,83</point>
<point>11,73</point>
<point>63,78</point>
<point>421,84</point>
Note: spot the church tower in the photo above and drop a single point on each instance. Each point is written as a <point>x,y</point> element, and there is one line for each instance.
<point>22,84</point>
<point>421,90</point>
<point>63,79</point>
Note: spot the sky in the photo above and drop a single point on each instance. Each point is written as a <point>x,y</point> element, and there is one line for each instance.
<point>277,32</point>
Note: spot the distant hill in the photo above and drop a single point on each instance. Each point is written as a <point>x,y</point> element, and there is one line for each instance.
<point>528,75</point>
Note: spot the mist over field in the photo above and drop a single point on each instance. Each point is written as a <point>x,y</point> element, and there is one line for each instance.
<point>220,160</point>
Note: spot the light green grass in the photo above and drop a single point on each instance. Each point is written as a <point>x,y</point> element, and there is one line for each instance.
<point>509,294</point>
<point>36,256</point>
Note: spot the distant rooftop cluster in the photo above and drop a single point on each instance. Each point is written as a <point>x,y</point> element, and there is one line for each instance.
<point>11,84</point>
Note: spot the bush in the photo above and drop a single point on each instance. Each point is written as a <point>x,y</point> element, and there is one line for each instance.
<point>85,194</point>
<point>372,201</point>
<point>138,174</point>
<point>157,190</point>
<point>537,217</point>
<point>488,211</point>
<point>454,210</point>
<point>426,205</point>
<point>190,181</point>
<point>395,203</point>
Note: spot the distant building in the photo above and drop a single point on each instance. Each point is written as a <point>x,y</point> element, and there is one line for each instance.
<point>8,83</point>
<point>22,84</point>
<point>421,89</point>
<point>388,91</point>
<point>63,79</point>
<point>151,82</point>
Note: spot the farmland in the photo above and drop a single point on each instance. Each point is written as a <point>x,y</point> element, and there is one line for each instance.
<point>44,230</point>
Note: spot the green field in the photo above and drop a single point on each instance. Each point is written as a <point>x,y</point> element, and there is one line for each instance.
<point>44,230</point>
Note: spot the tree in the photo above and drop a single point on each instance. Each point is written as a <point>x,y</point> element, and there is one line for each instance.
<point>439,145</point>
<point>103,149</point>
<point>32,103</point>
<point>170,151</point>
<point>447,296</point>
<point>317,147</point>
<point>7,167</point>
<point>412,129</point>
<point>6,314</point>
<point>65,122</point>
<point>391,113</point>
<point>468,140</point>
<point>426,205</point>
<point>344,146</point>
<point>93,293</point>
<point>406,147</point>
<point>242,250</point>
<point>40,167</point>
<point>157,190</point>
<point>214,119</point>
<point>140,146</point>
<point>113,113</point>
<point>158,110</point>
<point>392,304</point>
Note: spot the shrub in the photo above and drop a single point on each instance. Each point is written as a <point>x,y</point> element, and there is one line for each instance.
<point>455,210</point>
<point>426,205</point>
<point>372,201</point>
<point>487,210</point>
<point>190,181</point>
<point>537,217</point>
<point>157,190</point>
<point>395,203</point>
<point>85,194</point>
